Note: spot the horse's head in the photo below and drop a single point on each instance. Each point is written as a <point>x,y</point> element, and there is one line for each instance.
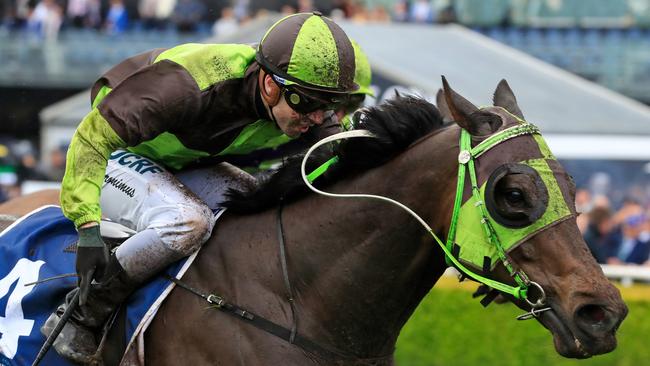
<point>525,204</point>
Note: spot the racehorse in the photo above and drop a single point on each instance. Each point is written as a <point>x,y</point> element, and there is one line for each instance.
<point>354,270</point>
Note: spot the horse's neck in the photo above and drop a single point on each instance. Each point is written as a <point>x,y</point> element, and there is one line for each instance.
<point>361,266</point>
<point>358,267</point>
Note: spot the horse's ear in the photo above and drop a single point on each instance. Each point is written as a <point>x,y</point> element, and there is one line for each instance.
<point>467,115</point>
<point>441,103</point>
<point>504,97</point>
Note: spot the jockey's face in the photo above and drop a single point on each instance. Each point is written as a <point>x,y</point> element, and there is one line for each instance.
<point>292,123</point>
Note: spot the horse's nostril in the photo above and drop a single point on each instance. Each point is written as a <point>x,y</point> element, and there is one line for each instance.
<point>593,312</point>
<point>596,318</point>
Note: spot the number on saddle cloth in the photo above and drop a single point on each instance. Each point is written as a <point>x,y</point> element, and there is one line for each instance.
<point>13,324</point>
<point>37,246</point>
<point>42,245</point>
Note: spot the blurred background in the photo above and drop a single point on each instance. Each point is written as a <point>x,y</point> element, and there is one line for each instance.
<point>580,70</point>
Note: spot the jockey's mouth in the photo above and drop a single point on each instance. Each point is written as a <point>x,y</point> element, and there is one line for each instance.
<point>304,124</point>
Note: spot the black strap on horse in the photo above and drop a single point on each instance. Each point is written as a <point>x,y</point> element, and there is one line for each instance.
<point>333,357</point>
<point>266,325</point>
<point>285,275</point>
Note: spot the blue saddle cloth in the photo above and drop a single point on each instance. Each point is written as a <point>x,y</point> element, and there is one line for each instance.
<point>40,246</point>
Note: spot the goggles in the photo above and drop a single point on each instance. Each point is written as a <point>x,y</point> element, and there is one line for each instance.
<point>305,102</point>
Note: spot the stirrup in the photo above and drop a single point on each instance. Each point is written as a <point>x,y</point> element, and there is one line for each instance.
<point>84,351</point>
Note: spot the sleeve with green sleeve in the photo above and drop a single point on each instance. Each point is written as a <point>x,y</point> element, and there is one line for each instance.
<point>90,148</point>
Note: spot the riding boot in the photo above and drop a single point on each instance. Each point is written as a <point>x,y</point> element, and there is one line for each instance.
<point>78,341</point>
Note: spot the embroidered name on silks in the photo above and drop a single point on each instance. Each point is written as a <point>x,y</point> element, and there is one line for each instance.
<point>135,162</point>
<point>120,185</point>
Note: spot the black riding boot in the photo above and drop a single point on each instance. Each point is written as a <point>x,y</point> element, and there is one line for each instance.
<point>78,341</point>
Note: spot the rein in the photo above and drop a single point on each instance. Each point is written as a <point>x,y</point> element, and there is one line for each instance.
<point>466,158</point>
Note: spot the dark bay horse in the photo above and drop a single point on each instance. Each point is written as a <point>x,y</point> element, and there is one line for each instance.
<point>359,268</point>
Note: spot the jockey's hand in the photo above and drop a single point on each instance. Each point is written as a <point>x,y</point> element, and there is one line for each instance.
<point>92,258</point>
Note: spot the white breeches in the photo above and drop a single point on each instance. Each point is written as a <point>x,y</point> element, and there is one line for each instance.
<point>171,221</point>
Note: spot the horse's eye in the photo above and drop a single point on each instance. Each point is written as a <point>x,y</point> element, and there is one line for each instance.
<point>514,196</point>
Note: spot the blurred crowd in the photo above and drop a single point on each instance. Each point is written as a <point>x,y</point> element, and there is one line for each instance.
<point>615,236</point>
<point>415,11</point>
<point>20,162</point>
<point>46,18</point>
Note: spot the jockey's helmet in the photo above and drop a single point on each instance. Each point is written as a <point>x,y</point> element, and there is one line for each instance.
<point>310,52</point>
<point>362,72</point>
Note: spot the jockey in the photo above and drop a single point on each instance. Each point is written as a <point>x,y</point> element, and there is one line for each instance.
<point>263,162</point>
<point>154,114</point>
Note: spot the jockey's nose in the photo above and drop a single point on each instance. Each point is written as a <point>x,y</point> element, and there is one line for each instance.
<point>340,113</point>
<point>316,117</point>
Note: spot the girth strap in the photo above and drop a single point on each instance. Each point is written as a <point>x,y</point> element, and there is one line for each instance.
<point>266,325</point>
<point>285,275</point>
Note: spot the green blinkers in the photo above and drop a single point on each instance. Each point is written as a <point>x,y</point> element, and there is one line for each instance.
<point>475,246</point>
<point>545,201</point>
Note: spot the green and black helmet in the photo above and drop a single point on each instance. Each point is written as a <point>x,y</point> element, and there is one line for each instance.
<point>310,52</point>
<point>362,73</point>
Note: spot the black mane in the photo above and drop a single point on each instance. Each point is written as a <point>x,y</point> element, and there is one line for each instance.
<point>396,123</point>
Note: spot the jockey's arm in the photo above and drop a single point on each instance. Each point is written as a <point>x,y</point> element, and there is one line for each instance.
<point>90,147</point>
<point>156,99</point>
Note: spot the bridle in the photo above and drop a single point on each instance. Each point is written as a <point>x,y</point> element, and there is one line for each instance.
<point>466,165</point>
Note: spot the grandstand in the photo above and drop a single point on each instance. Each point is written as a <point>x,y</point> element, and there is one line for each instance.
<point>606,41</point>
<point>554,13</point>
<point>77,57</point>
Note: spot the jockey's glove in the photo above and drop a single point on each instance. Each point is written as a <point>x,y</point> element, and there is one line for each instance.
<point>92,258</point>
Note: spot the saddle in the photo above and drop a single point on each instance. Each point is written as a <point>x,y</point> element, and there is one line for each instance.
<point>42,244</point>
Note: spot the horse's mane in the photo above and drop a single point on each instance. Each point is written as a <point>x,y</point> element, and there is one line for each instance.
<point>396,124</point>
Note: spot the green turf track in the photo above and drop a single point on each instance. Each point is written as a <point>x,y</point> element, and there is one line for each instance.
<point>450,328</point>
